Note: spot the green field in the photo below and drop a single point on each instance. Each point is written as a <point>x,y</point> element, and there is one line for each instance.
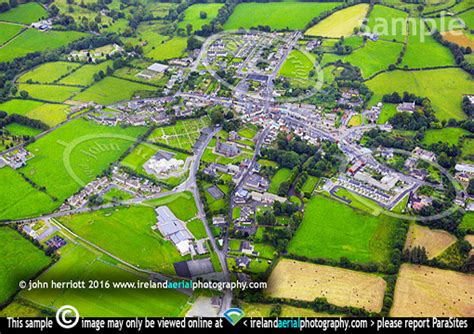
<point>127,234</point>
<point>22,130</point>
<point>182,135</point>
<point>51,114</point>
<point>75,154</point>
<point>388,111</point>
<point>468,149</point>
<point>446,135</point>
<point>110,90</point>
<point>277,15</point>
<point>33,40</point>
<point>297,66</point>
<point>468,222</point>
<point>423,50</point>
<point>53,93</point>
<point>48,72</point>
<point>182,205</point>
<point>19,107</point>
<point>192,15</point>
<point>444,87</point>
<point>81,264</point>
<point>277,179</point>
<point>372,58</point>
<point>468,18</point>
<point>173,48</point>
<point>310,184</point>
<point>332,230</point>
<point>26,13</point>
<point>196,227</point>
<point>8,31</point>
<point>20,260</point>
<point>84,76</point>
<point>19,199</point>
<point>393,19</point>
<point>340,23</point>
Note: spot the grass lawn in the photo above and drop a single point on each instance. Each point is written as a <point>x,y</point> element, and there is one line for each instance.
<point>468,222</point>
<point>33,40</point>
<point>84,76</point>
<point>27,13</point>
<point>281,175</point>
<point>51,114</point>
<point>341,23</point>
<point>446,135</point>
<point>19,107</point>
<point>468,149</point>
<point>81,264</point>
<point>277,15</point>
<point>388,111</point>
<point>423,50</point>
<point>297,66</point>
<point>8,31</point>
<point>117,194</point>
<point>126,233</point>
<point>110,90</point>
<point>21,260</point>
<point>310,184</point>
<point>182,204</point>
<point>192,15</point>
<point>19,199</point>
<point>49,72</point>
<point>396,19</point>
<point>173,48</point>
<point>75,154</point>
<point>22,130</point>
<point>51,93</point>
<point>333,230</point>
<point>445,95</point>
<point>196,227</point>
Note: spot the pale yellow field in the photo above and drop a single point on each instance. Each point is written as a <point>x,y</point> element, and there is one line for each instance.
<point>306,281</point>
<point>341,23</point>
<point>434,241</point>
<point>423,291</point>
<point>470,239</point>
<point>263,311</point>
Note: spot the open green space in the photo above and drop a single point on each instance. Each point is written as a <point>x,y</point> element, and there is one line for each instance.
<point>84,76</point>
<point>444,87</point>
<point>21,260</point>
<point>53,93</point>
<point>277,15</point>
<point>110,90</point>
<point>333,230</point>
<point>27,13</point>
<point>81,264</point>
<point>298,66</point>
<point>22,130</point>
<point>8,31</point>
<point>310,184</point>
<point>182,204</point>
<point>445,135</point>
<point>388,111</point>
<point>468,222</point>
<point>49,72</point>
<point>126,233</point>
<point>280,176</point>
<point>196,227</point>
<point>33,40</point>
<point>192,15</point>
<point>388,23</point>
<point>340,23</point>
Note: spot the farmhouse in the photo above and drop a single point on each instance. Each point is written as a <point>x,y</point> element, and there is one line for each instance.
<point>424,154</point>
<point>173,229</point>
<point>406,107</point>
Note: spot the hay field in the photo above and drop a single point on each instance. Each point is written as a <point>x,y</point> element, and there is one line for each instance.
<point>423,291</point>
<point>306,281</point>
<point>434,241</point>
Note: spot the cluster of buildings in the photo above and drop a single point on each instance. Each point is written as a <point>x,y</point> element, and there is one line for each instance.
<point>152,71</point>
<point>80,199</point>
<point>163,165</point>
<point>16,159</point>
<point>97,55</point>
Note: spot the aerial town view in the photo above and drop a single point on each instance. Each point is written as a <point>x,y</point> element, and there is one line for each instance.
<point>237,159</point>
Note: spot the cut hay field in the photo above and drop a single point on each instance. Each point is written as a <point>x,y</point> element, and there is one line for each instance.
<point>33,40</point>
<point>192,15</point>
<point>53,93</point>
<point>27,13</point>
<point>445,95</point>
<point>333,230</point>
<point>341,23</point>
<point>19,199</point>
<point>434,241</point>
<point>49,72</point>
<point>81,264</point>
<point>430,292</point>
<point>126,233</point>
<point>182,135</point>
<point>372,58</point>
<point>423,50</point>
<point>281,176</point>
<point>21,260</point>
<point>445,135</point>
<point>342,287</point>
<point>460,38</point>
<point>110,90</point>
<point>84,76</point>
<point>277,15</point>
<point>75,154</point>
<point>388,23</point>
<point>51,114</point>
<point>8,31</point>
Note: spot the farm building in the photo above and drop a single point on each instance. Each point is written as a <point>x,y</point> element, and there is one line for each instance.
<point>173,229</point>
